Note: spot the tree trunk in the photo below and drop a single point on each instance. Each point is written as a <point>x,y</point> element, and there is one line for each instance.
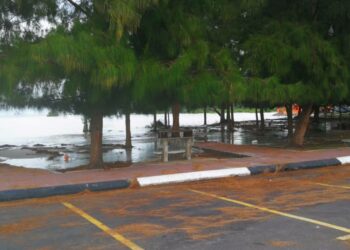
<point>176,119</point>
<point>316,114</point>
<point>205,115</point>
<point>230,138</point>
<point>155,127</point>
<point>128,131</point>
<point>228,114</point>
<point>128,155</point>
<point>289,109</point>
<point>256,117</point>
<point>222,114</point>
<point>340,113</point>
<point>262,119</point>
<point>86,125</point>
<point>222,133</point>
<point>232,115</point>
<point>165,120</point>
<point>168,115</point>
<point>96,160</point>
<point>228,119</point>
<point>302,125</point>
<point>231,119</point>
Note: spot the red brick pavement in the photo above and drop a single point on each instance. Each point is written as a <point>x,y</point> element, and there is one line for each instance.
<point>20,178</point>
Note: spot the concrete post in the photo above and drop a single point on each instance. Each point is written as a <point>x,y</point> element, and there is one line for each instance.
<point>189,149</point>
<point>165,150</point>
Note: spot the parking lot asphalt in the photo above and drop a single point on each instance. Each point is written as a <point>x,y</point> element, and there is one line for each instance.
<point>306,209</point>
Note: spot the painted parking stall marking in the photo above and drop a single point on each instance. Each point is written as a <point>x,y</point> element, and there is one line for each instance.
<point>346,237</point>
<point>331,185</point>
<point>272,211</point>
<point>120,238</point>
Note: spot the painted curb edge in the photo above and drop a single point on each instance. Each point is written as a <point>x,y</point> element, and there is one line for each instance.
<point>41,192</point>
<point>192,176</point>
<point>230,172</point>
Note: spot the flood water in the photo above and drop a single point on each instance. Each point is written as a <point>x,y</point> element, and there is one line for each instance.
<point>21,132</point>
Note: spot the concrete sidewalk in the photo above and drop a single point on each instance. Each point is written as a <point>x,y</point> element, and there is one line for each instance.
<point>14,179</point>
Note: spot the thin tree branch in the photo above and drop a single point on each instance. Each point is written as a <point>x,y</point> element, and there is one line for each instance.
<point>216,111</point>
<point>315,5</point>
<point>77,6</point>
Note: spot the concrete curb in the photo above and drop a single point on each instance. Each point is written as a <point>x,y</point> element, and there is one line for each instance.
<point>255,170</point>
<point>311,164</point>
<point>18,194</point>
<point>243,171</point>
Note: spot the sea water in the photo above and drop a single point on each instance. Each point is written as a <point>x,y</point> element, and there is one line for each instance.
<point>31,127</point>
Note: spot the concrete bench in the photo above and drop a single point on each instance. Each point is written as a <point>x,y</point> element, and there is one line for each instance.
<point>168,137</point>
<point>170,152</point>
